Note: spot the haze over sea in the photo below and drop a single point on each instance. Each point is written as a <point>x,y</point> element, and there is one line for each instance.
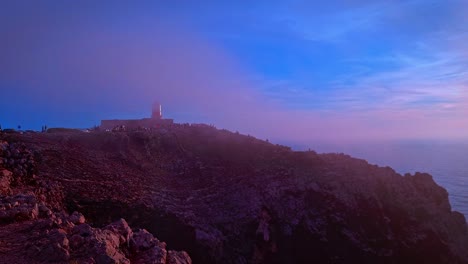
<point>446,161</point>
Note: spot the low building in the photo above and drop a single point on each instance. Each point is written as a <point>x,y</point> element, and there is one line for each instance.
<point>155,121</point>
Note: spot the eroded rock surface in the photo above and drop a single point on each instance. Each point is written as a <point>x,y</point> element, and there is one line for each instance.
<point>34,228</point>
<point>229,198</point>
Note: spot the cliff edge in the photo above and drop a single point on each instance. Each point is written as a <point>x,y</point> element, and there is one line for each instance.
<point>230,198</point>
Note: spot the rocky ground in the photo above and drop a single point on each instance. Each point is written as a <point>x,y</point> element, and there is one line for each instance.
<point>220,196</point>
<point>36,228</point>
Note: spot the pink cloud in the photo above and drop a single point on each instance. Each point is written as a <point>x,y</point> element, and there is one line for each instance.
<point>129,69</point>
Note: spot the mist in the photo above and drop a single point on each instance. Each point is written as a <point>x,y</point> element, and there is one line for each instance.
<point>74,70</point>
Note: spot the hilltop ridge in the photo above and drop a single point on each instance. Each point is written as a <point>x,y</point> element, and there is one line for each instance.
<point>229,198</point>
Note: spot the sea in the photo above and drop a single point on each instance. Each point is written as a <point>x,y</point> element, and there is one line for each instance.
<point>446,161</point>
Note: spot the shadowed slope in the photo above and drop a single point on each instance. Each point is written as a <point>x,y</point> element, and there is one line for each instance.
<point>230,198</point>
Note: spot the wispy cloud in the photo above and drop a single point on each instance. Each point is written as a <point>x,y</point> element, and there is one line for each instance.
<point>418,88</point>
<point>333,27</point>
<point>334,89</point>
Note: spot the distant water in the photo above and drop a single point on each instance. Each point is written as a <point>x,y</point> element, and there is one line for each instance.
<point>447,162</point>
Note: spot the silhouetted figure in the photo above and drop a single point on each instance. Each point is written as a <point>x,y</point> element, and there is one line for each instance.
<point>19,127</point>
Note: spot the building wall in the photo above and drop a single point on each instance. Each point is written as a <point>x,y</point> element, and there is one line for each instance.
<point>136,123</point>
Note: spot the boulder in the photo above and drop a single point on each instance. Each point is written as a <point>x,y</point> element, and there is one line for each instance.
<point>142,240</point>
<point>77,218</point>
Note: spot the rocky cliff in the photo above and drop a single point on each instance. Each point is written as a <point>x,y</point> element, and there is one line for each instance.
<point>35,227</point>
<point>225,198</point>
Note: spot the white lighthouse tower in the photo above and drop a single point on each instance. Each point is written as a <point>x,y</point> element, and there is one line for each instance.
<point>157,111</point>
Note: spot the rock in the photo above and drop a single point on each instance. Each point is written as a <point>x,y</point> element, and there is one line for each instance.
<point>77,218</point>
<point>20,161</point>
<point>53,247</point>
<point>105,245</point>
<point>44,211</point>
<point>5,173</point>
<point>142,240</point>
<point>106,248</point>
<point>59,236</point>
<point>76,241</point>
<point>121,227</point>
<point>154,255</point>
<point>56,237</point>
<point>322,208</point>
<point>83,230</point>
<point>178,257</point>
<point>5,181</point>
<point>18,208</point>
<point>53,253</point>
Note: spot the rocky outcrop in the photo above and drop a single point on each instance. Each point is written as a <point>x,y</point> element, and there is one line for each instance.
<point>19,160</point>
<point>6,177</point>
<point>35,228</point>
<point>62,239</point>
<point>18,208</point>
<point>229,198</point>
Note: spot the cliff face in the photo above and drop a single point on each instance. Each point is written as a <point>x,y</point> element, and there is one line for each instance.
<point>229,198</point>
<point>36,228</point>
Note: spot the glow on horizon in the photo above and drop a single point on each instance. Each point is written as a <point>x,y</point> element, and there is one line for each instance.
<point>288,72</point>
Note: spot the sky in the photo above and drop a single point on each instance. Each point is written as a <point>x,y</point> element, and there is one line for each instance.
<point>288,71</point>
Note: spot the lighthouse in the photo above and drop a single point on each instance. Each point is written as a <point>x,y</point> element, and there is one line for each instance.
<point>155,121</point>
<point>157,111</point>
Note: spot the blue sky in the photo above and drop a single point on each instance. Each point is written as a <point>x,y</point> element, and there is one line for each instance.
<point>319,49</point>
<point>370,68</point>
